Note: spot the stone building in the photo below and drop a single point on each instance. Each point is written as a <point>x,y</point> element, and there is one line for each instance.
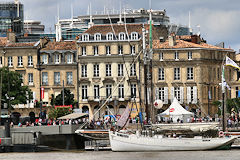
<point>108,56</point>
<point>190,70</point>
<point>59,65</point>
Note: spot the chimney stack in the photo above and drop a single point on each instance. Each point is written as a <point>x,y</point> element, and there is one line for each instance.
<point>172,40</point>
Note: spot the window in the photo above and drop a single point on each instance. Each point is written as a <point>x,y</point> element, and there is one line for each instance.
<point>189,55</point>
<point>161,93</point>
<point>133,70</point>
<point>96,70</point>
<point>30,78</point>
<point>133,90</point>
<point>96,92</point>
<point>177,93</point>
<point>0,60</point>
<point>134,36</point>
<point>84,92</point>
<point>108,90</point>
<point>190,73</point>
<point>84,70</point>
<point>108,70</point>
<point>176,73</point>
<point>56,78</point>
<point>69,58</point>
<point>120,49</point>
<point>108,50</point>
<point>237,92</point>
<point>121,36</point>
<point>95,50</point>
<point>44,78</point>
<point>69,78</point>
<point>10,61</point>
<point>191,93</point>
<point>57,59</point>
<point>161,56</point>
<point>20,61</point>
<point>120,70</point>
<point>84,53</point>
<point>30,61</point>
<point>121,91</point>
<point>176,55</point>
<point>85,37</point>
<point>161,74</point>
<point>97,37</point>
<point>109,36</point>
<point>133,50</point>
<point>44,59</point>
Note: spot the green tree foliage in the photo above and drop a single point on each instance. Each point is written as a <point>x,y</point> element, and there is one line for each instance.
<point>68,98</point>
<point>55,113</point>
<point>13,89</point>
<point>231,104</point>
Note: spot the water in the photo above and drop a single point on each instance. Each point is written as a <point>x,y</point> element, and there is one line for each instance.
<point>108,155</point>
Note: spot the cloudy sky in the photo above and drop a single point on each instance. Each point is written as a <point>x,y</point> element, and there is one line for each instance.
<point>219,19</point>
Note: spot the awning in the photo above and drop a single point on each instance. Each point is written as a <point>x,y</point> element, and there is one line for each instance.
<point>73,116</point>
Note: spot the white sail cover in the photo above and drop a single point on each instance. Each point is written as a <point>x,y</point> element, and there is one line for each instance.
<point>124,118</point>
<point>176,111</point>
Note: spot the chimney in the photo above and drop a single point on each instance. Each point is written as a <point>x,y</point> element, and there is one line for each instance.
<point>195,39</point>
<point>172,40</point>
<point>11,36</point>
<point>43,42</point>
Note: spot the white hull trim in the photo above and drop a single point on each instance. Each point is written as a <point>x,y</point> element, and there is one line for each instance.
<point>125,142</point>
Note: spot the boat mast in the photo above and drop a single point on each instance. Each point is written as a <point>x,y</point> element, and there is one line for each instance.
<point>223,98</point>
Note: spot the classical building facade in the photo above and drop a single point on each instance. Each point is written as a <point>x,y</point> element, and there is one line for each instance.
<point>109,59</point>
<point>190,70</point>
<point>59,67</point>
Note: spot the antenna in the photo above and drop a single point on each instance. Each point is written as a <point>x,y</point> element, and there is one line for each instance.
<point>90,24</point>
<point>71,25</point>
<point>189,23</point>
<point>120,14</point>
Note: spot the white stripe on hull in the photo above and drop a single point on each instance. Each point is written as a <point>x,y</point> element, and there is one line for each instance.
<point>134,143</point>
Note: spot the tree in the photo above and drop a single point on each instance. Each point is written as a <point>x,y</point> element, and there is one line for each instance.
<point>54,113</point>
<point>13,92</point>
<point>231,104</point>
<point>68,98</point>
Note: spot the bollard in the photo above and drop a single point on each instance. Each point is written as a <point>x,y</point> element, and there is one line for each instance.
<point>7,128</point>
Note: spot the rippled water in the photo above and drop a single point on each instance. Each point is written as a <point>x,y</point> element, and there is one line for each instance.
<point>108,155</point>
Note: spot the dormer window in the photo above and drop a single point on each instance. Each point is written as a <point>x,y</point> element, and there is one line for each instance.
<point>97,37</point>
<point>69,58</point>
<point>121,36</point>
<point>134,36</point>
<point>57,58</point>
<point>85,37</point>
<point>109,36</point>
<point>45,59</point>
<point>176,55</point>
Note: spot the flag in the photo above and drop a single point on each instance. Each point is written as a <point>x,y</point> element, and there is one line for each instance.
<point>230,62</point>
<point>150,32</point>
<point>124,117</point>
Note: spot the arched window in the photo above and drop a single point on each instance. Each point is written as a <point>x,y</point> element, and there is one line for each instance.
<point>121,36</point>
<point>134,35</point>
<point>97,37</point>
<point>85,37</point>
<point>109,36</point>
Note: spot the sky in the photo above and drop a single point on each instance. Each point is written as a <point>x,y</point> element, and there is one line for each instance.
<point>218,19</point>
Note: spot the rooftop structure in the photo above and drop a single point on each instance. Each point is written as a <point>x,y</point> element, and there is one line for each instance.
<point>68,29</point>
<point>33,27</point>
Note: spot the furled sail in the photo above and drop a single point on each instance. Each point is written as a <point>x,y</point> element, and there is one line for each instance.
<point>124,118</point>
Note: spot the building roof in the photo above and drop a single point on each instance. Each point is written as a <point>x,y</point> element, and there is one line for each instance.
<point>70,45</point>
<point>20,44</point>
<point>3,41</point>
<point>184,44</point>
<point>118,28</point>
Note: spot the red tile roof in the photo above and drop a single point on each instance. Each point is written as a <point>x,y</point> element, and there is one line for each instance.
<point>71,45</point>
<point>20,44</point>
<point>184,44</point>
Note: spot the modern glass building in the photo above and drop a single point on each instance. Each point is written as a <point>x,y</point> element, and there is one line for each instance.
<point>11,18</point>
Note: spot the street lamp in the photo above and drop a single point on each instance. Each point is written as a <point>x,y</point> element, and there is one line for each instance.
<point>40,84</point>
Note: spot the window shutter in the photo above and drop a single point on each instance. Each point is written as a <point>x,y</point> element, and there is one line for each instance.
<point>165,95</point>
<point>181,95</point>
<point>188,95</point>
<point>156,93</point>
<point>172,93</point>
<point>194,95</point>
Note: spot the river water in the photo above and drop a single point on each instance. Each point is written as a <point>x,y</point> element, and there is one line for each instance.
<point>233,154</point>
